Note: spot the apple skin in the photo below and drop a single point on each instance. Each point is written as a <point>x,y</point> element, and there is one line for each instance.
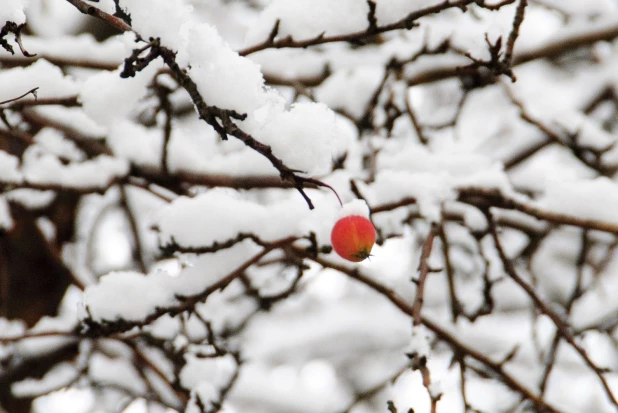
<point>353,237</point>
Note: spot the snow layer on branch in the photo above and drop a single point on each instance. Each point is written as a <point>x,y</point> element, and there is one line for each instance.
<point>31,198</point>
<point>132,296</point>
<point>356,207</point>
<point>9,168</point>
<point>12,11</point>
<point>165,19</point>
<point>431,178</point>
<point>209,269</point>
<point>116,371</point>
<point>197,370</point>
<point>73,118</point>
<point>53,141</point>
<point>420,341</point>
<point>594,199</point>
<point>41,167</point>
<point>304,19</point>
<point>69,400</point>
<point>221,215</point>
<point>429,190</point>
<point>56,378</point>
<point>6,221</point>
<point>224,78</point>
<point>557,163</point>
<point>306,137</point>
<point>64,324</point>
<point>217,216</point>
<point>37,346</point>
<point>50,80</point>
<point>128,295</point>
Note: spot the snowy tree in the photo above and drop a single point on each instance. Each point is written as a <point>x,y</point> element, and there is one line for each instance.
<point>171,172</point>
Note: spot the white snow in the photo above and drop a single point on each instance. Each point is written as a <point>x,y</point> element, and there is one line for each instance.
<point>116,371</point>
<point>216,371</point>
<point>593,199</point>
<point>106,97</point>
<point>6,221</point>
<point>350,90</point>
<point>224,78</point>
<point>165,19</point>
<point>71,400</point>
<point>73,118</point>
<point>219,216</point>
<point>128,295</point>
<point>36,346</point>
<point>9,168</point>
<point>13,11</point>
<point>419,343</point>
<point>304,19</point>
<point>432,178</point>
<point>355,207</point>
<point>390,11</point>
<point>43,18</point>
<point>40,167</point>
<point>306,137</point>
<point>136,143</point>
<point>141,295</point>
<point>56,378</point>
<point>52,141</point>
<point>31,198</point>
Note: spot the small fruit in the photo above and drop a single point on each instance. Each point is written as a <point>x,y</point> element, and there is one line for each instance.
<point>353,237</point>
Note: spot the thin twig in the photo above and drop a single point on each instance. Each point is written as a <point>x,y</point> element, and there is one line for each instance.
<point>33,91</point>
<point>561,325</point>
<point>417,306</point>
<point>406,23</point>
<point>517,21</point>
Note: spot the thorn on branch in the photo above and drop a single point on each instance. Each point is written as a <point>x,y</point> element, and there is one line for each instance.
<point>371,17</point>
<point>274,32</point>
<point>510,356</point>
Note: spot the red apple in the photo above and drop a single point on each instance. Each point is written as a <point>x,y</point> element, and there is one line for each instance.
<point>353,237</point>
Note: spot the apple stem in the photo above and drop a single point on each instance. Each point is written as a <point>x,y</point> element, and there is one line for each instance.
<point>320,183</point>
